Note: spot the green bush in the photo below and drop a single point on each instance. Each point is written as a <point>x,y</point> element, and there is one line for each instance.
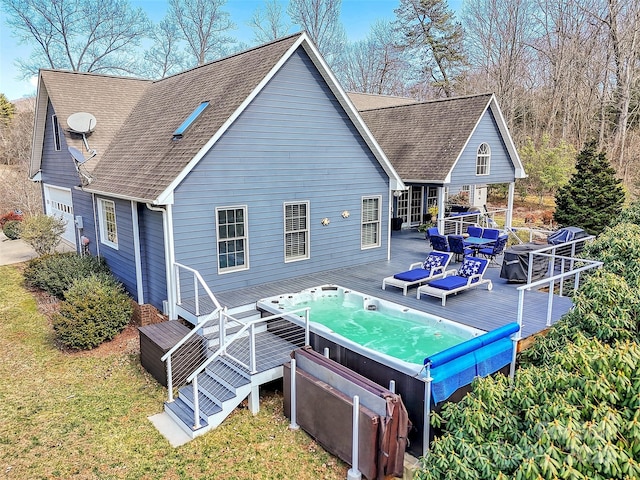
<point>55,273</point>
<point>43,233</point>
<point>631,214</point>
<point>96,309</point>
<point>12,229</point>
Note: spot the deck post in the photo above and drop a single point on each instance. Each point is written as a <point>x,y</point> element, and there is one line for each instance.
<point>427,410</point>
<point>196,404</point>
<point>354,473</point>
<point>252,349</point>
<point>169,379</point>
<point>254,400</point>
<point>306,327</point>
<point>293,425</point>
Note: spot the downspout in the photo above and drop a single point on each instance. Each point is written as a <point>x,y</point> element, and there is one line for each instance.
<point>389,220</point>
<point>168,259</point>
<point>136,252</point>
<point>95,223</point>
<point>441,206</point>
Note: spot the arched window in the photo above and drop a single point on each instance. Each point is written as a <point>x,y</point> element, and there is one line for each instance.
<point>483,159</point>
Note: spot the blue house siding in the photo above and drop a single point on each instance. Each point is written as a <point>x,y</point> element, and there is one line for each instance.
<point>152,256</point>
<point>57,169</point>
<point>121,261</point>
<point>501,167</point>
<point>292,143</point>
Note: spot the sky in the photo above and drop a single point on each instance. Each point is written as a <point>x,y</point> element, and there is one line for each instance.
<point>357,16</point>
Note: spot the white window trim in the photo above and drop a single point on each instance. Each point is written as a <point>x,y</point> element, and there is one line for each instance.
<point>246,240</point>
<point>104,233</point>
<point>55,126</point>
<point>487,166</point>
<point>306,230</point>
<point>379,222</point>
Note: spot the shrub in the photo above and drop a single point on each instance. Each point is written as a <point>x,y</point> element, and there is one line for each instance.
<point>631,214</point>
<point>55,273</point>
<point>15,215</point>
<point>12,229</point>
<point>43,232</point>
<point>96,309</point>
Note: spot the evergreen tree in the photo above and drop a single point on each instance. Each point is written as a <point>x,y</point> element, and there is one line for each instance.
<point>7,109</point>
<point>593,198</point>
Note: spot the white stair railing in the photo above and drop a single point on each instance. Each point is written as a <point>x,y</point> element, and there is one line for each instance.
<point>198,283</point>
<point>297,336</point>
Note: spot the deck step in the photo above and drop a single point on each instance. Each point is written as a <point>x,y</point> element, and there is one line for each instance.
<point>184,413</point>
<point>208,407</point>
<point>228,374</point>
<point>213,389</point>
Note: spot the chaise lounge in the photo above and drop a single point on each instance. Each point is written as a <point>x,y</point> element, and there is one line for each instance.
<point>434,267</point>
<point>468,276</point>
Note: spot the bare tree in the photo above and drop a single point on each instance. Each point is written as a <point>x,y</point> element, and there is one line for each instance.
<point>375,64</point>
<point>622,20</point>
<point>204,26</point>
<point>321,20</point>
<point>498,34</point>
<point>430,32</point>
<point>16,190</point>
<point>78,35</point>
<point>269,24</point>
<point>165,56</point>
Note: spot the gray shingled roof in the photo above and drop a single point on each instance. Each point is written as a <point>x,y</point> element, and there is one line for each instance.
<point>72,92</point>
<point>144,159</point>
<point>367,101</point>
<point>424,140</point>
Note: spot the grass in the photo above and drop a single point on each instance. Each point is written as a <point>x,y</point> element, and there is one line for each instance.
<point>79,416</point>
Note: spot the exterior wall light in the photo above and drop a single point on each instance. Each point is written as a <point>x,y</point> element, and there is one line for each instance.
<point>325,221</point>
<point>345,214</point>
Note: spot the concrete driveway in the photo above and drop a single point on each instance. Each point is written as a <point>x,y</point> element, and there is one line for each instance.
<point>14,251</point>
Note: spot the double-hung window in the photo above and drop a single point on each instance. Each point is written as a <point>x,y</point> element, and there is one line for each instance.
<point>231,225</point>
<point>108,224</point>
<point>296,231</point>
<point>371,222</point>
<point>483,159</point>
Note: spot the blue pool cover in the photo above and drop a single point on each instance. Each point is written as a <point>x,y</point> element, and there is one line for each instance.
<point>457,366</point>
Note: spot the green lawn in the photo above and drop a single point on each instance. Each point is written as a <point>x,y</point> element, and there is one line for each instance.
<point>80,416</point>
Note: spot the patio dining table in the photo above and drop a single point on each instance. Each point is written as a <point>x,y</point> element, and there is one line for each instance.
<point>476,243</point>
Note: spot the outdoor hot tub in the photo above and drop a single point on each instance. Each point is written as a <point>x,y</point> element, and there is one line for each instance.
<point>358,329</point>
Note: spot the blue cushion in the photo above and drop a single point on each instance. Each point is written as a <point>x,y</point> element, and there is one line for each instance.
<point>413,275</point>
<point>449,283</point>
<point>486,251</point>
<point>471,266</point>
<point>433,260</point>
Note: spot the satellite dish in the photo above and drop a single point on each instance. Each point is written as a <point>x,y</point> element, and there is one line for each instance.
<point>77,155</point>
<point>81,122</point>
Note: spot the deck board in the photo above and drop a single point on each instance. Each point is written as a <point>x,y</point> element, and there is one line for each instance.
<point>477,307</point>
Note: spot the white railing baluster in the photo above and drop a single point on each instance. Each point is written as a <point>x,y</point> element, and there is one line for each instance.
<point>252,349</point>
<point>196,404</point>
<point>169,379</point>
<point>306,327</point>
<point>178,289</point>
<point>197,299</point>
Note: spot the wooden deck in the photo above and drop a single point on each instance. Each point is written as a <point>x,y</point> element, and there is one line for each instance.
<point>477,307</point>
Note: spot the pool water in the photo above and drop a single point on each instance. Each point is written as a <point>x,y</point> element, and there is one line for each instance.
<point>391,332</point>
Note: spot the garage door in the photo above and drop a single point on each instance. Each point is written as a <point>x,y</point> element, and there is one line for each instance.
<point>58,202</point>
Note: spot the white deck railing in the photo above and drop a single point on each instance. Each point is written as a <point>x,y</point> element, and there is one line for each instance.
<point>198,284</point>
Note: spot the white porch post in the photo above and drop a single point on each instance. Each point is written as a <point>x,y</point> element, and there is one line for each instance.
<point>441,209</point>
<point>512,189</point>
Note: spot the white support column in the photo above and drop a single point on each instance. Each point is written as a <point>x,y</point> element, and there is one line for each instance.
<point>254,400</point>
<point>440,209</point>
<point>509,216</point>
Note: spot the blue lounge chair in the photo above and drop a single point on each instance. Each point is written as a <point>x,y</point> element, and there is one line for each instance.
<point>456,245</point>
<point>439,243</point>
<point>469,275</point>
<point>431,231</point>
<point>496,249</point>
<point>434,266</point>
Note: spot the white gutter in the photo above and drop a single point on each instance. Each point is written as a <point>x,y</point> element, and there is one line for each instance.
<point>136,252</point>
